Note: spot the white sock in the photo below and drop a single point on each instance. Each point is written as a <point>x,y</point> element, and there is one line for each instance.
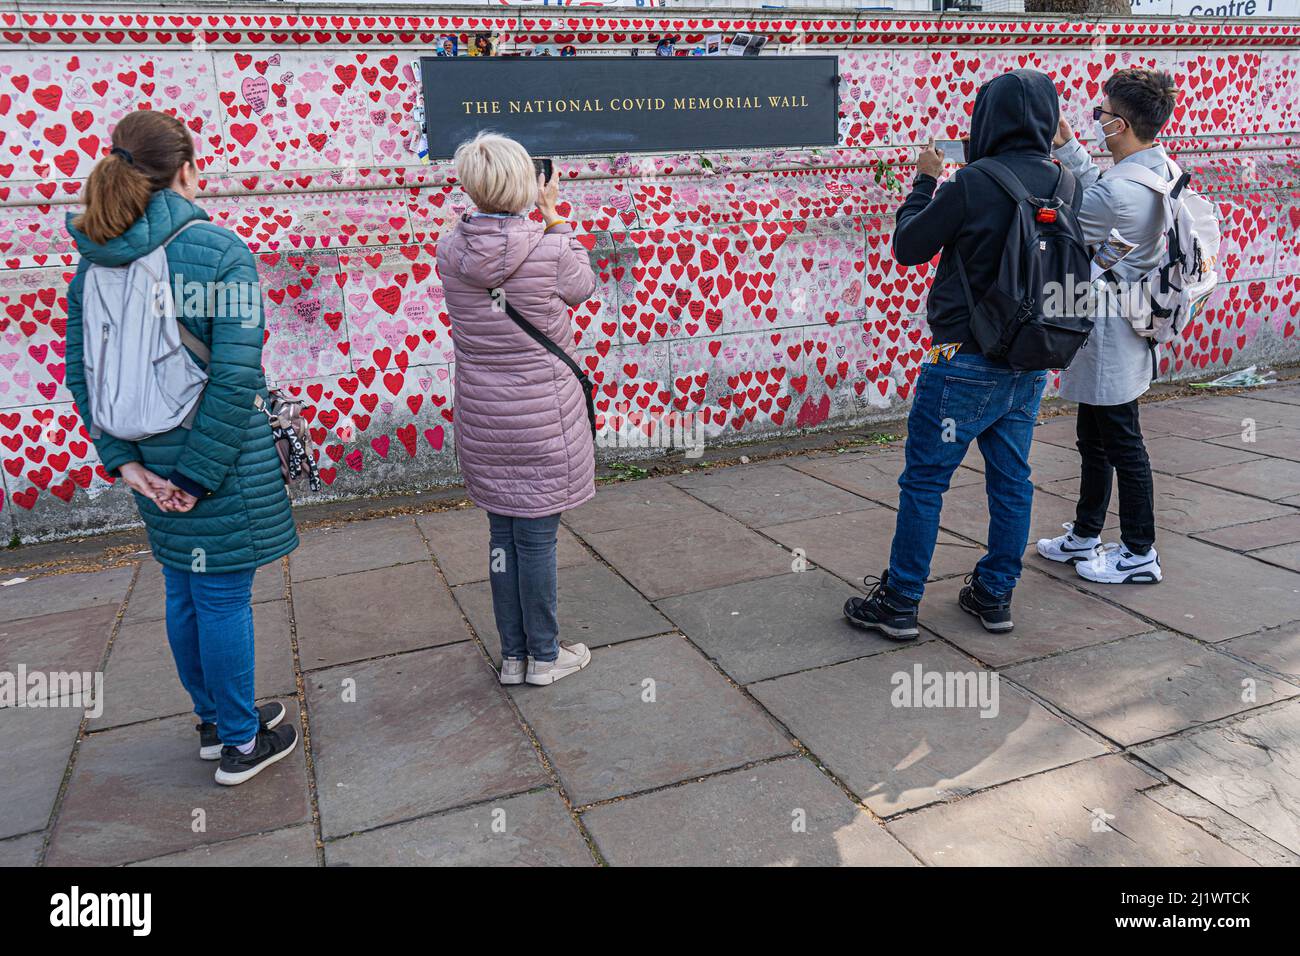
<point>247,748</point>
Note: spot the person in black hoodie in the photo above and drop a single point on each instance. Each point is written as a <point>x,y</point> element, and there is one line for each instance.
<point>961,396</point>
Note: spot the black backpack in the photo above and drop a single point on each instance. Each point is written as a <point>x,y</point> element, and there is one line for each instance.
<point>1044,245</point>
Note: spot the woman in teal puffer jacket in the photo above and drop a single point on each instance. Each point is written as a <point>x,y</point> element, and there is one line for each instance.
<point>211,496</point>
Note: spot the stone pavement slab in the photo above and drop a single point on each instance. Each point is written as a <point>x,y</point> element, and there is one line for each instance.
<point>66,641</point>
<point>1276,649</point>
<point>148,596</point>
<point>856,544</point>
<point>135,792</point>
<point>609,732</point>
<point>356,546</point>
<point>1247,766</point>
<point>1243,407</point>
<point>140,682</point>
<point>1050,617</point>
<point>1284,529</point>
<point>459,541</point>
<point>427,731</point>
<point>1187,506</point>
<point>1169,418</point>
<point>1247,595</point>
<point>55,593</point>
<point>597,607</point>
<point>21,851</point>
<point>897,758</point>
<point>635,504</point>
<point>966,513</point>
<point>1175,455</point>
<point>532,829</point>
<point>292,846</point>
<point>1222,825</point>
<point>873,476</point>
<point>1273,442</point>
<point>1269,478</point>
<point>782,813</point>
<point>1284,556</point>
<point>761,629</point>
<point>36,743</point>
<point>768,494</point>
<point>1047,462</point>
<point>691,552</point>
<point>357,616</point>
<point>1149,686</point>
<point>1091,813</point>
<point>1287,394</point>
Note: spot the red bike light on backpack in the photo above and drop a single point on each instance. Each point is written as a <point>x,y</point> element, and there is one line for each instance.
<point>1045,214</point>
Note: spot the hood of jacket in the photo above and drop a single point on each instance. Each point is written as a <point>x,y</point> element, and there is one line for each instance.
<point>167,211</point>
<point>1016,112</point>
<point>486,250</point>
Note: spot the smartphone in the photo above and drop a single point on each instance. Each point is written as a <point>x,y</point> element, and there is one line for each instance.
<point>544,167</point>
<point>954,150</point>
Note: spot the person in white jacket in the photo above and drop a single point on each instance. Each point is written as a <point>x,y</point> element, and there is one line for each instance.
<point>1116,364</point>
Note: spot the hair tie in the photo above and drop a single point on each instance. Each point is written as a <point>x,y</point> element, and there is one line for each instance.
<point>124,153</point>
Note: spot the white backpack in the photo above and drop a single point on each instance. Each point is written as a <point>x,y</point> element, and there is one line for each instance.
<point>139,378</point>
<point>1165,300</point>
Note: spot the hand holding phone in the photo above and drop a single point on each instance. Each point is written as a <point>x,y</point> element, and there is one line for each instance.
<point>548,188</point>
<point>954,150</point>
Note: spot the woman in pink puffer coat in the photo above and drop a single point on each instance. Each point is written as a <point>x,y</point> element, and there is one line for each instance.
<point>522,433</point>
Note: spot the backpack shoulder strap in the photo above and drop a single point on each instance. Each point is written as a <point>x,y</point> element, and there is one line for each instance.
<point>1003,176</point>
<point>194,343</point>
<point>1065,190</point>
<point>188,338</point>
<point>192,222</point>
<point>1135,173</point>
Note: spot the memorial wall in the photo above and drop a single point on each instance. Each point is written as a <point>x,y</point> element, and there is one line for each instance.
<point>751,291</point>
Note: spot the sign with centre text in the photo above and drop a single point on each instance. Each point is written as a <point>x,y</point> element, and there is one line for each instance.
<point>558,106</point>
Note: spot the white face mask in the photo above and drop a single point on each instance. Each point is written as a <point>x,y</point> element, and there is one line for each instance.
<point>1100,129</point>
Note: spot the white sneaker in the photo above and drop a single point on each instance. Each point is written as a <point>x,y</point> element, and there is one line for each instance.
<point>512,672</point>
<point>1067,548</point>
<point>1116,564</point>
<point>572,658</point>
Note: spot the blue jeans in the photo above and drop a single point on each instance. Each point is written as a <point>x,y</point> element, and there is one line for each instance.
<point>210,629</point>
<point>966,398</point>
<point>522,569</point>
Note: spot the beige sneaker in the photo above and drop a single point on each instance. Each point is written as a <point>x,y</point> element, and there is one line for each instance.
<point>572,658</point>
<point>512,672</point>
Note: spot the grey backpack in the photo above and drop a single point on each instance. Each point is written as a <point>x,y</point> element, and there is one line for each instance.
<point>139,377</point>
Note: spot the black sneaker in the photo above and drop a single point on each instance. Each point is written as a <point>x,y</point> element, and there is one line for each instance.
<point>272,745</point>
<point>269,715</point>
<point>994,613</point>
<point>883,610</point>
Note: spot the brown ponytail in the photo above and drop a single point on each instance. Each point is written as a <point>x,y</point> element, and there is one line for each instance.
<point>148,149</point>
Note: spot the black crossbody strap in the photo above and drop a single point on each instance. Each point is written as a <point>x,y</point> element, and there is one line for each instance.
<point>537,335</point>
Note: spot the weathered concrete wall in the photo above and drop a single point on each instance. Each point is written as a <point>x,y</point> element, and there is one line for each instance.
<point>755,290</point>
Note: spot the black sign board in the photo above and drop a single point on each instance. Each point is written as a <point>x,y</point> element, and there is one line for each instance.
<point>564,106</point>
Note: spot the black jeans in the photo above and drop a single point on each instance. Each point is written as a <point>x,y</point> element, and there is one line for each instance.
<point>1110,441</point>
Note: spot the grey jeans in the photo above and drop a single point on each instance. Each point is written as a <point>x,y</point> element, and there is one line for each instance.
<point>522,571</point>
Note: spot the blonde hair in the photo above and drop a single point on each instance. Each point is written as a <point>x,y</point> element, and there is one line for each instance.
<point>497,173</point>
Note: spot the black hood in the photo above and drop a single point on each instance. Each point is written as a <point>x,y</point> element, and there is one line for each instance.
<point>1016,112</point>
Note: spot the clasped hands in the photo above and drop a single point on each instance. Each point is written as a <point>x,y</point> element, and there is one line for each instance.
<point>159,490</point>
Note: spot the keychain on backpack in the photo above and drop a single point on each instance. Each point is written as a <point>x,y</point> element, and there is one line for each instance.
<point>291,436</point>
